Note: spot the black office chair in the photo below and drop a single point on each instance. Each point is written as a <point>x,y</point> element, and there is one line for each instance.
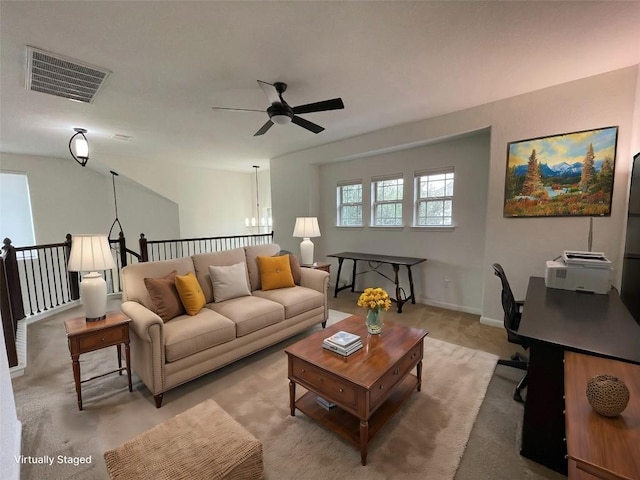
<point>512,313</point>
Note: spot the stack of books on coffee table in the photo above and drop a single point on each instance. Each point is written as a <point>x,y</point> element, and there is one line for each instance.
<point>344,343</point>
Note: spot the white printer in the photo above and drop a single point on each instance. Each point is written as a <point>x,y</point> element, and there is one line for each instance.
<point>579,271</point>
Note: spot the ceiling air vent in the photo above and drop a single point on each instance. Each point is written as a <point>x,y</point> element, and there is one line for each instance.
<point>64,77</point>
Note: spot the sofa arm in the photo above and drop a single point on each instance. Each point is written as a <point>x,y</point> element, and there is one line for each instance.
<point>147,345</point>
<point>142,319</point>
<point>315,279</point>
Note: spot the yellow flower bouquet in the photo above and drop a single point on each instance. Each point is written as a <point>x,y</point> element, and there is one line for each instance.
<point>374,300</point>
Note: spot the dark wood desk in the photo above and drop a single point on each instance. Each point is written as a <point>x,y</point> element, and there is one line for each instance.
<point>554,321</point>
<point>379,260</point>
<point>604,447</point>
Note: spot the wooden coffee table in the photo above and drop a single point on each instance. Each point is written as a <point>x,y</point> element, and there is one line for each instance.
<point>368,386</point>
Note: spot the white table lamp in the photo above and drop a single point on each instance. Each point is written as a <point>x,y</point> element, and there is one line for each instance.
<point>306,228</point>
<point>91,253</point>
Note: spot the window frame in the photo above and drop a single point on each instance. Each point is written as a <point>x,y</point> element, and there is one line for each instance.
<point>340,204</point>
<point>419,199</point>
<point>375,202</point>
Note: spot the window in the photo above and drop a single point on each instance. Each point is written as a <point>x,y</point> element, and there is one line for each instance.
<point>434,198</point>
<point>350,203</point>
<point>387,195</point>
<point>16,220</point>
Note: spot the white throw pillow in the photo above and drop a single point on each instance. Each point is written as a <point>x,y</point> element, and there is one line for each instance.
<point>229,281</point>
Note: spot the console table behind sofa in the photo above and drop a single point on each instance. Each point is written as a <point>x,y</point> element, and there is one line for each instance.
<point>370,258</point>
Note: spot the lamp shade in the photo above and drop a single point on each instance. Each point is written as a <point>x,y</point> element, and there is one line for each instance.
<point>81,147</point>
<point>90,253</point>
<point>306,227</point>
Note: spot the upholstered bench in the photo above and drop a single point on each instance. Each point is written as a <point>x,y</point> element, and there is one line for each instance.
<point>202,443</point>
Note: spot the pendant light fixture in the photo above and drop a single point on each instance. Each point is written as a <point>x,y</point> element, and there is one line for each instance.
<point>115,202</point>
<point>79,146</point>
<point>257,221</point>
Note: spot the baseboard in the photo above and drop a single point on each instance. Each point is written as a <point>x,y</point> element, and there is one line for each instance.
<point>492,322</point>
<point>449,306</point>
<point>37,317</point>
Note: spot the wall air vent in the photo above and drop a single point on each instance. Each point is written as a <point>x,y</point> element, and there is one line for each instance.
<point>64,77</point>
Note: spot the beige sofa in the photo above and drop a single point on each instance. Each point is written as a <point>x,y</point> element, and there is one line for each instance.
<point>167,354</point>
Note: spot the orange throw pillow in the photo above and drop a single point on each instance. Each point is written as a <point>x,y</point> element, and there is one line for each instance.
<point>275,272</point>
<point>190,293</point>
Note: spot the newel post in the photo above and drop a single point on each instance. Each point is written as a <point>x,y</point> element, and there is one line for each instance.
<point>12,279</point>
<point>74,284</point>
<point>144,254</point>
<point>11,307</point>
<point>123,249</point>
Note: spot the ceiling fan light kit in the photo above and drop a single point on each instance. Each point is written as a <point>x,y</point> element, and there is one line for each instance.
<point>281,113</point>
<point>281,119</point>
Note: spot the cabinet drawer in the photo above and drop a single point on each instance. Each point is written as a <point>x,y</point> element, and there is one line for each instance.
<point>325,384</point>
<point>401,369</point>
<point>102,338</point>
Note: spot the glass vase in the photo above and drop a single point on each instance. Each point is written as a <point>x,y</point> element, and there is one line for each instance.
<point>374,322</point>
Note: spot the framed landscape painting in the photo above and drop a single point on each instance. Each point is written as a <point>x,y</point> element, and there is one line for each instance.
<point>561,175</point>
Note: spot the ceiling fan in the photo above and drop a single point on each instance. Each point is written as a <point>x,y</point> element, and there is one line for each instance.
<point>281,113</point>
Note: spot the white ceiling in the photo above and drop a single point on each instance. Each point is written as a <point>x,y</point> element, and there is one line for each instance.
<point>391,62</point>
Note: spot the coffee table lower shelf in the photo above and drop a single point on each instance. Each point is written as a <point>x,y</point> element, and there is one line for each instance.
<point>346,424</point>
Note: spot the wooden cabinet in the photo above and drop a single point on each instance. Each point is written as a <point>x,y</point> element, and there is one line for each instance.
<point>85,337</point>
<point>630,291</point>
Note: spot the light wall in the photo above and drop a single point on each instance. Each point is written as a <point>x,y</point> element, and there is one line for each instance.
<point>454,256</point>
<point>67,198</point>
<point>152,199</point>
<point>211,202</point>
<point>521,245</point>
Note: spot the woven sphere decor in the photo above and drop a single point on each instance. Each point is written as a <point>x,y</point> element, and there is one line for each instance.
<point>607,395</point>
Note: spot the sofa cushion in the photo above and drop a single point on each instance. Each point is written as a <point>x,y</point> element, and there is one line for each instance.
<point>164,296</point>
<point>190,293</point>
<point>252,252</point>
<point>250,313</point>
<point>132,277</point>
<point>275,272</point>
<point>294,263</point>
<point>229,281</point>
<point>185,335</point>
<point>202,261</point>
<point>295,300</point>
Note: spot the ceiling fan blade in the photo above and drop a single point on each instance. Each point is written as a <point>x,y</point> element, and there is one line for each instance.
<point>270,91</point>
<point>312,127</point>
<point>333,104</point>
<point>264,128</point>
<point>238,109</point>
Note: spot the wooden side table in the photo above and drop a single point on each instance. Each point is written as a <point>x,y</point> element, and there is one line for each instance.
<point>319,266</point>
<point>86,337</point>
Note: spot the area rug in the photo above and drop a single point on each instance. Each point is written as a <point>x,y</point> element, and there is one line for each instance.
<point>425,439</point>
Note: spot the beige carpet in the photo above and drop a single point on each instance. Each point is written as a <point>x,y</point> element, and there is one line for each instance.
<point>426,439</point>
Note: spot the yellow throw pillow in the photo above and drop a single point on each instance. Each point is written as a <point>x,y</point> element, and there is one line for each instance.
<point>275,272</point>
<point>190,293</point>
